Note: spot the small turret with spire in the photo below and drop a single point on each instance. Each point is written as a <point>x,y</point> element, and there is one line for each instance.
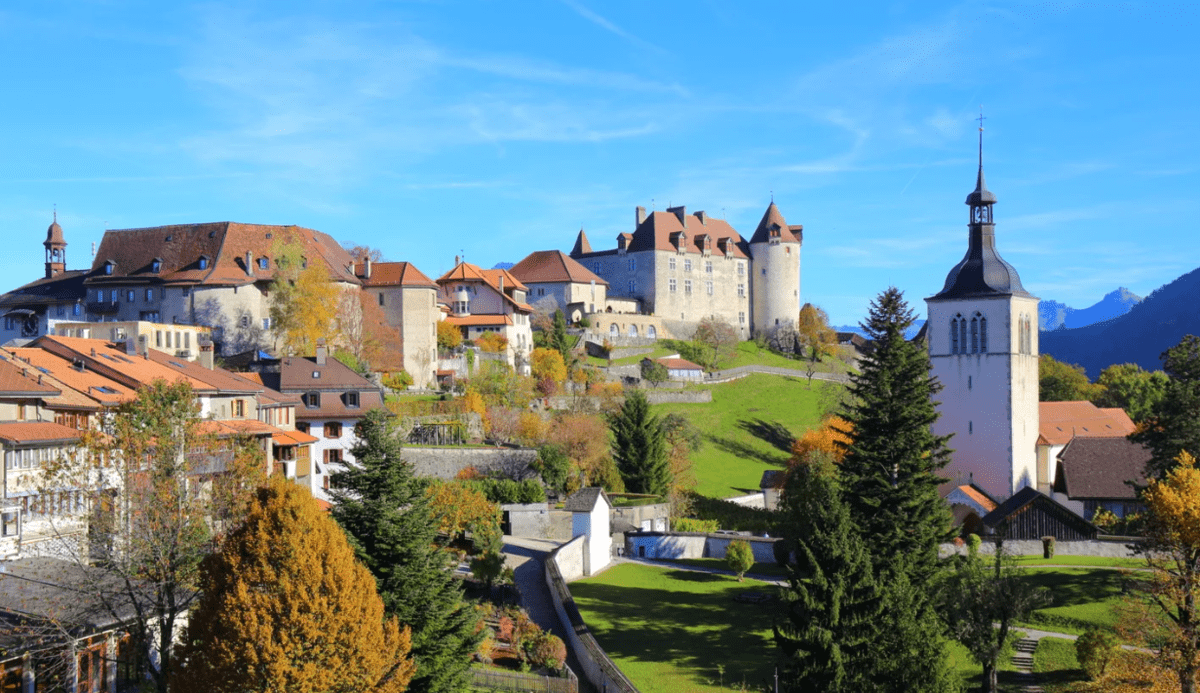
<point>56,249</point>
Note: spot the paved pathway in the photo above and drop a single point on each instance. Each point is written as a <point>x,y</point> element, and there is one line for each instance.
<point>525,556</point>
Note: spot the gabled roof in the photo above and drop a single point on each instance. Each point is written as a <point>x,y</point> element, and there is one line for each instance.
<point>772,478</point>
<point>1059,422</point>
<point>131,370</point>
<point>38,432</point>
<point>585,499</point>
<point>656,231</point>
<point>466,272</point>
<point>63,287</point>
<point>21,380</point>
<point>482,320</point>
<point>1029,498</point>
<point>773,223</point>
<point>219,379</point>
<point>225,244</point>
<point>296,374</point>
<point>80,389</point>
<point>1099,468</point>
<point>544,266</point>
<point>973,495</point>
<point>393,274</point>
<point>677,364</point>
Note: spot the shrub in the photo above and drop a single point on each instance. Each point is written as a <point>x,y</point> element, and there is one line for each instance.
<point>739,557</point>
<point>553,465</point>
<point>1047,547</point>
<point>1095,650</point>
<point>399,380</point>
<point>973,543</point>
<point>548,650</point>
<point>691,524</point>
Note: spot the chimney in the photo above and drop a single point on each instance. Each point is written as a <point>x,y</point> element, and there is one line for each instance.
<point>131,345</point>
<point>501,283</point>
<point>702,217</point>
<point>456,261</point>
<point>249,265</point>
<point>205,346</point>
<point>641,215</point>
<point>144,346</point>
<point>367,267</point>
<point>680,212</point>
<point>322,352</point>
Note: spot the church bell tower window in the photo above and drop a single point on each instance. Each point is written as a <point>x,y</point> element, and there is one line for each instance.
<point>954,335</point>
<point>975,335</point>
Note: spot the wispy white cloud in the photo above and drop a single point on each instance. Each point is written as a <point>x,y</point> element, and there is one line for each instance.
<point>609,26</point>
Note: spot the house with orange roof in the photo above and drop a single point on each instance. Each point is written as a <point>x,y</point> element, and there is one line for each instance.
<point>556,281</point>
<point>1061,422</point>
<point>409,302</point>
<point>489,301</point>
<point>684,267</point>
<point>215,274</point>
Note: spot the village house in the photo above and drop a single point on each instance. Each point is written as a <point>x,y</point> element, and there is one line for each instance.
<point>489,301</point>
<point>409,302</point>
<point>557,282</point>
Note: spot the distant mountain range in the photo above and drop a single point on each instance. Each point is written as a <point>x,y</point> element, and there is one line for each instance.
<point>1053,315</point>
<point>1150,327</point>
<point>908,334</point>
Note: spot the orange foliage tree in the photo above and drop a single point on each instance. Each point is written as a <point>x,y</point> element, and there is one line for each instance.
<point>286,607</point>
<point>457,508</point>
<point>584,439</point>
<point>832,437</point>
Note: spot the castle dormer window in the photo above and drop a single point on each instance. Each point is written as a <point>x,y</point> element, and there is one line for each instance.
<point>203,262</point>
<point>108,267</point>
<point>156,265</point>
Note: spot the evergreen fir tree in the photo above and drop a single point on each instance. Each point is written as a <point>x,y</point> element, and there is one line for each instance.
<point>558,336</point>
<point>890,471</point>
<point>639,447</point>
<point>829,634</point>
<point>385,512</point>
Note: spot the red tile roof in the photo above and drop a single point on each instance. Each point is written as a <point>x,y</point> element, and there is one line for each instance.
<point>37,432</point>
<point>294,438</point>
<point>466,272</point>
<point>225,244</point>
<point>978,496</point>
<point>1062,421</point>
<point>553,266</point>
<point>658,229</point>
<point>84,389</point>
<point>680,364</point>
<point>773,221</point>
<point>479,320</point>
<point>21,380</point>
<point>393,274</point>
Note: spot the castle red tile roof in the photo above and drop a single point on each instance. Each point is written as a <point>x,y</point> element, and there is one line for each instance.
<point>180,247</point>
<point>1062,421</point>
<point>553,266</point>
<point>773,221</point>
<point>657,231</point>
<point>393,274</point>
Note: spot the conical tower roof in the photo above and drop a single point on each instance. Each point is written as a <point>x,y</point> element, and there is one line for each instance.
<point>773,219</point>
<point>54,235</point>
<point>581,245</point>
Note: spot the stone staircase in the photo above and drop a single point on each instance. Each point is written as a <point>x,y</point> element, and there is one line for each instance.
<point>1023,662</point>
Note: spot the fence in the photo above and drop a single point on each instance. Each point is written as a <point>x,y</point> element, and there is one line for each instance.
<point>497,680</point>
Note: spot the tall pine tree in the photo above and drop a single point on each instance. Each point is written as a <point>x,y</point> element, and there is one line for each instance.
<point>828,632</point>
<point>639,447</point>
<point>385,512</point>
<point>890,471</point>
<point>1173,425</point>
<point>890,475</point>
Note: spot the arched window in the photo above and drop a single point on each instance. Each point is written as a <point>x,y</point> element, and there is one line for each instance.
<point>982,335</point>
<point>633,332</point>
<point>962,335</point>
<point>651,332</point>
<point>1028,335</point>
<point>974,335</point>
<point>613,330</point>
<point>954,335</point>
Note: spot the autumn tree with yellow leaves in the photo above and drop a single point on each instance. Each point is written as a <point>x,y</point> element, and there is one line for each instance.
<point>303,300</point>
<point>831,437</point>
<point>287,608</point>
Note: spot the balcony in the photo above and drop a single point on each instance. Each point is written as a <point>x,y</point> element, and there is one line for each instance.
<point>103,307</point>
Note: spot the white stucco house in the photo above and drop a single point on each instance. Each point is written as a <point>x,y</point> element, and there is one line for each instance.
<point>590,508</point>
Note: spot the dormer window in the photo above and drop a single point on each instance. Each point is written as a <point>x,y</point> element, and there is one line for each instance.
<point>203,263</point>
<point>263,263</point>
<point>156,265</point>
<point>312,400</point>
<point>352,400</point>
<point>108,267</point>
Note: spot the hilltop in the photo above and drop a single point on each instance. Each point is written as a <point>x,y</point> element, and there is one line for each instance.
<point>1053,315</point>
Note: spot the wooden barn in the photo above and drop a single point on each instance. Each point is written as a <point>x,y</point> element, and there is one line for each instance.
<point>1031,514</point>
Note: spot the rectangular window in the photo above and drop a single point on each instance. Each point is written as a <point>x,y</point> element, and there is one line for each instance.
<point>381,299</point>
<point>671,285</point>
<point>632,286</point>
<point>741,318</point>
<point>149,295</point>
<point>687,286</point>
<point>687,265</point>
<point>741,290</point>
<point>61,310</point>
<point>10,323</point>
<point>632,264</point>
<point>185,291</point>
<point>333,455</point>
<point>352,399</point>
<point>596,268</point>
<point>11,523</point>
<point>239,408</point>
<point>312,400</point>
<point>266,323</point>
<point>709,287</point>
<point>741,268</point>
<point>671,263</point>
<point>129,294</point>
<point>333,429</point>
<point>75,309</point>
<point>100,296</point>
<point>708,267</point>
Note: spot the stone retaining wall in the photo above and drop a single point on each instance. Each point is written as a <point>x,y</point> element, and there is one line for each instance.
<point>1116,547</point>
<point>566,563</point>
<point>446,463</point>
<point>675,545</point>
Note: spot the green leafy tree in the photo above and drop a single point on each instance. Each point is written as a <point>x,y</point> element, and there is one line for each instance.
<point>1174,425</point>
<point>817,338</point>
<point>639,447</point>
<point>285,607</point>
<point>654,372</point>
<point>719,339</point>
<point>553,465</point>
<point>1129,387</point>
<point>1063,382</point>
<point>385,512</point>
<point>982,604</point>
<point>828,632</point>
<point>1095,650</point>
<point>558,336</point>
<point>739,557</point>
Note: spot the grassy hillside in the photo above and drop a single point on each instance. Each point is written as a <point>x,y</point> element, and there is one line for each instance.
<point>749,427</point>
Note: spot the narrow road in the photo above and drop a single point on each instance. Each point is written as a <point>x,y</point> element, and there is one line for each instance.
<point>526,557</point>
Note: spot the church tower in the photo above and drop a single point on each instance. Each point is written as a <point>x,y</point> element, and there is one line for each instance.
<point>56,249</point>
<point>983,344</point>
<point>775,269</point>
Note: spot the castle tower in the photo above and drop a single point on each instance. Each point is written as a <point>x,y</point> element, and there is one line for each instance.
<point>56,249</point>
<point>982,336</point>
<point>775,270</point>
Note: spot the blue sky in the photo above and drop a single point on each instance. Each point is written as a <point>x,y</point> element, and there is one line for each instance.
<point>492,129</point>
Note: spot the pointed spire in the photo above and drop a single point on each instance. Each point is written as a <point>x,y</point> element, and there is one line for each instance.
<point>582,246</point>
<point>981,195</point>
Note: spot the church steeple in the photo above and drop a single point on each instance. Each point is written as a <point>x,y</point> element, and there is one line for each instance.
<point>982,271</point>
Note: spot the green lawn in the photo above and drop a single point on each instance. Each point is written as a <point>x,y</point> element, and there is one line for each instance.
<point>771,570</point>
<point>1082,598</point>
<point>668,630</point>
<point>1100,561</point>
<point>750,354</point>
<point>749,427</point>
<point>658,352</point>
<point>1055,664</point>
